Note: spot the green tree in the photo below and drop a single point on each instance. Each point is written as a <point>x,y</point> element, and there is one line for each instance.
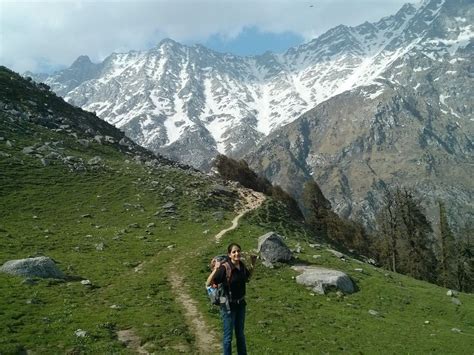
<point>448,250</point>
<point>388,233</point>
<point>465,260</point>
<point>316,208</point>
<point>419,258</point>
<point>404,233</point>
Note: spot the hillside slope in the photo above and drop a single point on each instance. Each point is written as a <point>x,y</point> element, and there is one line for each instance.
<point>124,221</point>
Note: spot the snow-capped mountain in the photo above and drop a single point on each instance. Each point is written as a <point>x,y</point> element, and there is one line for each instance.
<point>189,102</point>
<point>412,126</point>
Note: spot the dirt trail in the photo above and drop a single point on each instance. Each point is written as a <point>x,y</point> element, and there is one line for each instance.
<point>206,337</point>
<point>252,200</point>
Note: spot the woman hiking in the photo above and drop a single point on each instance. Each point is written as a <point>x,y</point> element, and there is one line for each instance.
<point>233,311</point>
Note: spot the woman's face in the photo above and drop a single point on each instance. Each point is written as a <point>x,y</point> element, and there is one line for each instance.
<point>235,254</point>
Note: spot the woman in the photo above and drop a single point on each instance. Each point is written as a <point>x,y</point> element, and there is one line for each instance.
<point>233,318</point>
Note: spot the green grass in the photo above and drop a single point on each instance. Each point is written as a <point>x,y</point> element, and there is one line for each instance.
<point>286,318</point>
<point>65,215</point>
<point>282,318</point>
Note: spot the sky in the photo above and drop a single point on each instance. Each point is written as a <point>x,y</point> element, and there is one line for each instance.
<point>48,35</point>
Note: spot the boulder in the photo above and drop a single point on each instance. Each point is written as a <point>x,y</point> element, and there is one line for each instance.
<point>336,253</point>
<point>322,279</point>
<point>272,248</point>
<point>95,161</point>
<point>33,267</point>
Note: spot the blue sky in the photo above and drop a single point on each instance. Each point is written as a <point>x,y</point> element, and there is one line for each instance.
<point>46,35</point>
<point>253,41</point>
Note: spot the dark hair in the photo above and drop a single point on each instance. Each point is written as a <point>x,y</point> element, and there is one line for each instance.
<point>229,248</point>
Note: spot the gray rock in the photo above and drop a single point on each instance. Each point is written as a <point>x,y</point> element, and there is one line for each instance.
<point>100,246</point>
<point>169,206</point>
<point>109,139</point>
<point>272,248</point>
<point>95,161</point>
<point>124,142</point>
<point>456,330</point>
<point>28,150</point>
<point>456,301</point>
<point>322,279</point>
<point>170,189</point>
<point>451,293</point>
<point>33,267</point>
<point>98,139</point>
<point>84,142</point>
<point>336,253</point>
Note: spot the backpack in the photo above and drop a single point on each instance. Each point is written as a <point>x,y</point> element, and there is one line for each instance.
<point>220,294</point>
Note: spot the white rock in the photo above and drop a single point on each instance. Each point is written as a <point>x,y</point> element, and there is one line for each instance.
<point>80,333</point>
<point>373,313</point>
<point>451,293</point>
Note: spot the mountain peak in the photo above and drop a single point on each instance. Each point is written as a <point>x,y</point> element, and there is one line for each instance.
<point>82,60</point>
<point>168,42</point>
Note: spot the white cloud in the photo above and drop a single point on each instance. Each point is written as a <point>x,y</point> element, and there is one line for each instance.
<point>37,34</point>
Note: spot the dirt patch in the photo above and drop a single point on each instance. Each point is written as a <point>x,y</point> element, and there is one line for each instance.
<point>131,341</point>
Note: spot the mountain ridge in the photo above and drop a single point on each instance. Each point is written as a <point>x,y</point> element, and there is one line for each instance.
<point>173,97</point>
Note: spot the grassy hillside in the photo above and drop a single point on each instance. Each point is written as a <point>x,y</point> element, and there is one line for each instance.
<point>112,223</point>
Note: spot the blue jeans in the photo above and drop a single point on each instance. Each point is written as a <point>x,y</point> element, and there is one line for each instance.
<point>234,320</point>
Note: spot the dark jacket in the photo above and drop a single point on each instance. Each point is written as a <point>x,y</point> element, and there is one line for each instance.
<point>238,279</point>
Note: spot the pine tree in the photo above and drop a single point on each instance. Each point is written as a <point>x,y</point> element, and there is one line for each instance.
<point>419,259</point>
<point>316,206</point>
<point>465,260</point>
<point>404,236</point>
<point>448,251</point>
<point>388,233</point>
